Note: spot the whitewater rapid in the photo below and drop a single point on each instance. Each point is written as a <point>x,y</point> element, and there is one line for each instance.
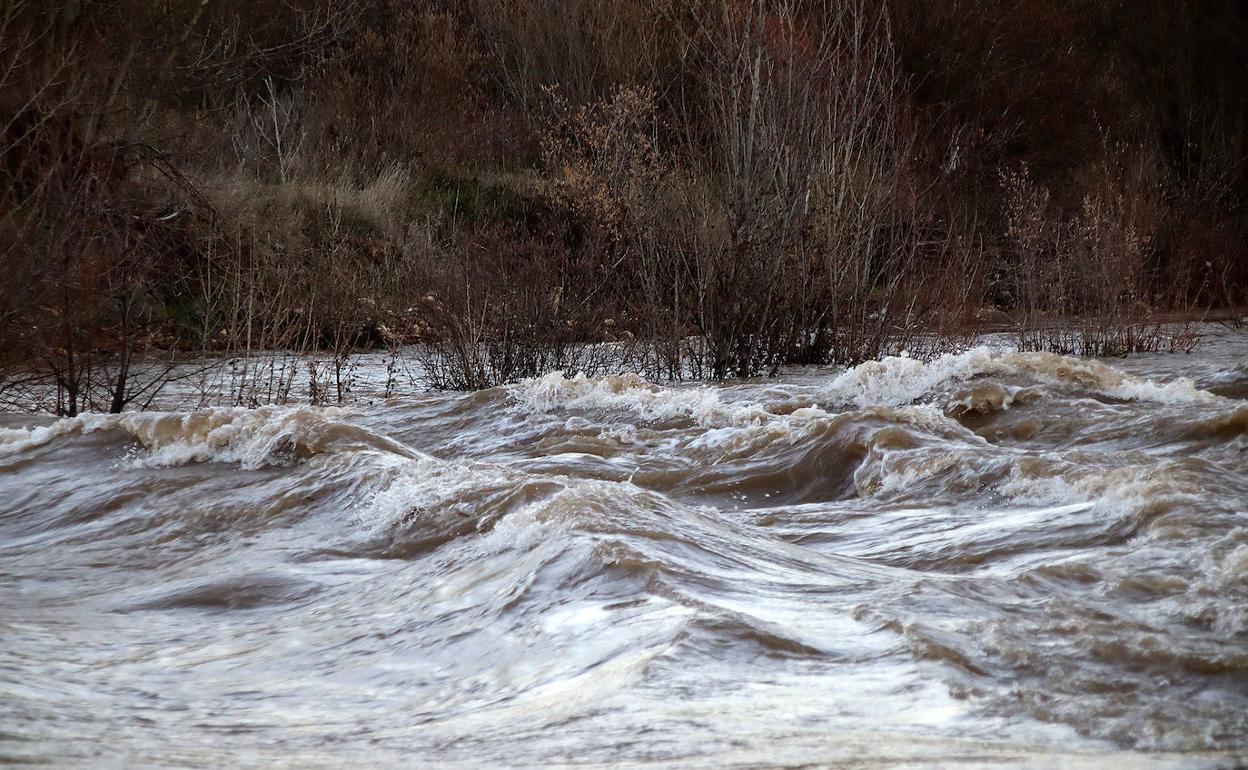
<point>992,559</point>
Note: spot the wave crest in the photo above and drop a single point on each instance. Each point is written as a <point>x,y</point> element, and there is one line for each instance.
<point>252,438</point>
<point>897,380</point>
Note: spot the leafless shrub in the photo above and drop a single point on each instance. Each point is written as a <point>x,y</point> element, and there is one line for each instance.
<point>268,128</point>
<point>585,49</point>
<point>806,138</point>
<point>712,188</point>
<point>1086,284</point>
<point>509,307</point>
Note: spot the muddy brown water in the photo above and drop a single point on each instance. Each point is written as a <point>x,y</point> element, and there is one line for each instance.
<point>993,559</point>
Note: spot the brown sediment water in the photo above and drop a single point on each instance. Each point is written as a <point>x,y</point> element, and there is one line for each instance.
<point>992,559</point>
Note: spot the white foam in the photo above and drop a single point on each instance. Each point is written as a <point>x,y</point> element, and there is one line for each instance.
<point>1121,491</point>
<point>251,437</point>
<point>632,394</point>
<point>890,381</point>
<point>427,486</point>
<point>896,380</point>
<point>14,440</point>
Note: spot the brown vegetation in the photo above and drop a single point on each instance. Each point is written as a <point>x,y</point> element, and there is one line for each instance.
<point>713,188</point>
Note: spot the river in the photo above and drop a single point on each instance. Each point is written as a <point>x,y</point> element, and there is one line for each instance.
<point>991,559</point>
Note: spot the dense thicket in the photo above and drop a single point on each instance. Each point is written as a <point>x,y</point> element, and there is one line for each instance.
<point>740,184</point>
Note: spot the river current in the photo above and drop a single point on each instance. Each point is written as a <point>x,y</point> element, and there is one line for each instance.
<point>991,559</point>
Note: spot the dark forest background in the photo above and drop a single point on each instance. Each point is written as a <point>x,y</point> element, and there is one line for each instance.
<point>723,186</point>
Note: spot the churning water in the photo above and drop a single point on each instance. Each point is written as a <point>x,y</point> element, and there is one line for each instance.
<point>993,559</point>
